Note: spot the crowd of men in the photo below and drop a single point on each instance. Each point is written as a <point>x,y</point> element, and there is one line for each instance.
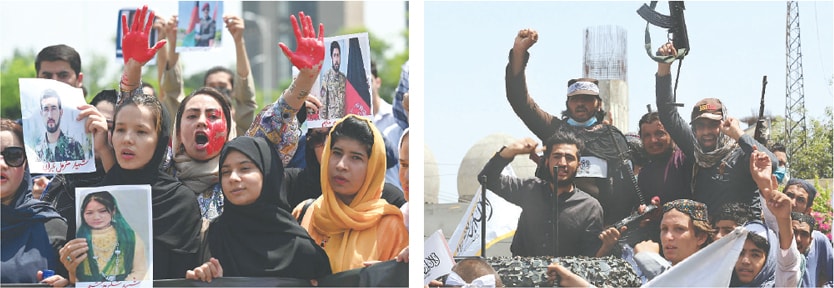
<point>706,174</point>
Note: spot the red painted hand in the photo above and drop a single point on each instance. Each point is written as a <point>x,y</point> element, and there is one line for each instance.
<point>309,54</point>
<point>135,40</point>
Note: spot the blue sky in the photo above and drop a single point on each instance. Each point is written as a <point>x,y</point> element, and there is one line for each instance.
<point>733,45</point>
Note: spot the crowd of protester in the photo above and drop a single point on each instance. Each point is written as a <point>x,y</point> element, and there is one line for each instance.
<point>688,183</point>
<point>229,187</point>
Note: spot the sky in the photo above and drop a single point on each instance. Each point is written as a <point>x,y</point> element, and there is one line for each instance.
<point>733,44</point>
<point>90,27</point>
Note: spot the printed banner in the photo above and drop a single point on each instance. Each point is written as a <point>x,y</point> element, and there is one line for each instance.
<point>54,141</point>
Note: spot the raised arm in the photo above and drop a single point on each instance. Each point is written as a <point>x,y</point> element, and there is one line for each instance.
<point>677,127</point>
<point>135,48</point>
<point>505,186</point>
<point>536,119</point>
<point>277,122</point>
<point>777,217</point>
<point>244,90</point>
<point>170,82</point>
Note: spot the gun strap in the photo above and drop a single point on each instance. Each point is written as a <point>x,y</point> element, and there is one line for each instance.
<point>665,59</point>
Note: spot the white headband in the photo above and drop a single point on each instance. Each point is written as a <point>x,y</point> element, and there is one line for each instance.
<point>582,85</point>
<point>484,281</point>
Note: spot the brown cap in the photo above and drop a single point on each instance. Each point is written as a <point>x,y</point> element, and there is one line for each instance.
<point>583,86</point>
<point>709,108</point>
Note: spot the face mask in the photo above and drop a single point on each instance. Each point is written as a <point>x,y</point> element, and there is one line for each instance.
<point>780,173</point>
<point>588,123</point>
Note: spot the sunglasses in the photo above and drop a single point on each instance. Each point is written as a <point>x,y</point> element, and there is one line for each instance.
<point>14,156</point>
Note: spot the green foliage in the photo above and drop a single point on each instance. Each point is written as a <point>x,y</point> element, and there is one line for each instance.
<point>821,209</point>
<point>21,65</point>
<point>95,75</point>
<point>822,203</point>
<point>816,158</point>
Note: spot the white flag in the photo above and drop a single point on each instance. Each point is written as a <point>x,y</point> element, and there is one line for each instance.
<point>502,219</point>
<point>712,266</point>
<point>437,259</point>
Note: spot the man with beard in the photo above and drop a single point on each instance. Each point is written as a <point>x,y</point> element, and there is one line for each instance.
<point>54,146</point>
<point>818,253</point>
<point>604,173</point>
<point>558,219</point>
<point>333,86</point>
<point>720,149</point>
<point>668,172</point>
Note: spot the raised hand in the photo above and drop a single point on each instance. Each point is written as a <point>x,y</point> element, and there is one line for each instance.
<point>730,127</point>
<point>235,26</point>
<point>780,204</point>
<point>523,146</point>
<point>309,55</point>
<point>135,40</point>
<point>760,168</point>
<point>525,39</point>
<point>667,49</point>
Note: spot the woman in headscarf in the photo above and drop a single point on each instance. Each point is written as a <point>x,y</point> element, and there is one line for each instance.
<point>31,229</point>
<point>757,262</point>
<point>118,253</point>
<point>350,220</point>
<point>255,236</point>
<point>202,126</point>
<point>141,127</point>
<point>140,140</point>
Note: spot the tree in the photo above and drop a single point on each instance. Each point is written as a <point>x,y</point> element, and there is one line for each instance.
<point>95,75</point>
<point>21,65</point>
<point>815,160</point>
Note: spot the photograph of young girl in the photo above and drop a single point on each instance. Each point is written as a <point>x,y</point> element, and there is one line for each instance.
<point>117,235</point>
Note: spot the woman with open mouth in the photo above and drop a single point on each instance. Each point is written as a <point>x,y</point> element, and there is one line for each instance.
<point>349,218</point>
<point>140,141</point>
<point>204,124</point>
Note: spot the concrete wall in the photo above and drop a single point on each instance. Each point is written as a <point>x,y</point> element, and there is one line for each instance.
<point>614,94</point>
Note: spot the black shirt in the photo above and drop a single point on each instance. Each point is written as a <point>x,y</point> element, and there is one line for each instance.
<point>578,216</point>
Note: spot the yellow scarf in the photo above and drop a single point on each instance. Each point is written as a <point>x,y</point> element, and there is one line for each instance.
<point>352,229</point>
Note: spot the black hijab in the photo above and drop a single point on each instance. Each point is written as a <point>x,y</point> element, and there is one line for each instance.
<point>263,238</point>
<point>176,214</point>
<point>26,246</point>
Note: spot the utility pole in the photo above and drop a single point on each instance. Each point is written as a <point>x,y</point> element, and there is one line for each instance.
<point>795,128</point>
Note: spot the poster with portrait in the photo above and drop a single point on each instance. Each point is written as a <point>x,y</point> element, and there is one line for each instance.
<point>344,83</point>
<point>117,223</point>
<point>131,13</point>
<point>199,25</point>
<point>54,141</point>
